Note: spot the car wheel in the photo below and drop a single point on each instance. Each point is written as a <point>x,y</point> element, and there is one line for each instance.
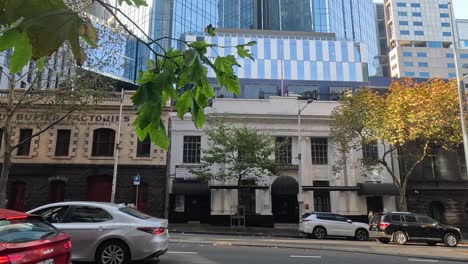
<point>319,232</point>
<point>384,240</point>
<point>451,240</point>
<point>400,238</point>
<point>113,252</point>
<point>431,243</point>
<point>361,235</point>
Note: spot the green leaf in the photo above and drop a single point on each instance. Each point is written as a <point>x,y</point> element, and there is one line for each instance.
<point>225,73</point>
<point>201,46</point>
<point>136,3</point>
<point>183,104</point>
<point>198,116</point>
<point>211,30</point>
<point>145,77</point>
<point>40,63</point>
<point>12,10</point>
<point>21,55</point>
<point>251,43</point>
<point>244,53</point>
<point>190,56</point>
<point>195,72</point>
<point>8,39</point>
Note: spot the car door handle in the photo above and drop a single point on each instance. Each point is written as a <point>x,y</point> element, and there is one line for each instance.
<point>405,224</point>
<point>100,228</point>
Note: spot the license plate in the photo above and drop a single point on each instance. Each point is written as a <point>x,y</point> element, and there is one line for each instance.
<point>47,261</point>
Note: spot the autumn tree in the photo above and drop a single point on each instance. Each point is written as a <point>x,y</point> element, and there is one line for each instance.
<point>34,30</point>
<point>409,121</point>
<point>236,153</point>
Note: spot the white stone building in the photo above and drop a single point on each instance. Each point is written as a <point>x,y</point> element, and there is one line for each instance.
<point>276,199</point>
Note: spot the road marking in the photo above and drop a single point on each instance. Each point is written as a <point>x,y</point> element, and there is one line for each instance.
<point>182,252</point>
<point>423,260</point>
<point>296,256</point>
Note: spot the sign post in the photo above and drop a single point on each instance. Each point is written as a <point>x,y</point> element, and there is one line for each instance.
<point>136,182</point>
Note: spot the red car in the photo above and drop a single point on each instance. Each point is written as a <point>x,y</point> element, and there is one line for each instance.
<point>27,238</point>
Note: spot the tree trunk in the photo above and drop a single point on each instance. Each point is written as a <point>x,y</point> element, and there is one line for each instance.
<point>6,161</point>
<point>403,206</point>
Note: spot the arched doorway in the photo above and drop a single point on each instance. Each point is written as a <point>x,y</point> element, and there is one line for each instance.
<point>99,188</point>
<point>437,211</point>
<point>285,207</point>
<point>16,197</point>
<point>57,191</point>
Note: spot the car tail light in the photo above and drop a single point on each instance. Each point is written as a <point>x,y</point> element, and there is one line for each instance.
<point>11,258</point>
<point>383,225</point>
<point>153,230</point>
<point>67,245</point>
<point>17,217</point>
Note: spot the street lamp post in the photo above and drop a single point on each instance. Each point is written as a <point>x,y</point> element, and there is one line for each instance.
<point>459,85</point>
<point>300,197</point>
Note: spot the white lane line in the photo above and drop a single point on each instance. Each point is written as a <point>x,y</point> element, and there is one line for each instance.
<point>423,260</point>
<point>182,252</point>
<point>296,256</point>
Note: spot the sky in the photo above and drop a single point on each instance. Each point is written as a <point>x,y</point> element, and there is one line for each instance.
<point>460,7</point>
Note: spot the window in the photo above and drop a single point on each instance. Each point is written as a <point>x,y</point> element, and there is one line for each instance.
<point>404,32</point>
<point>425,220</point>
<point>23,84</point>
<point>417,14</point>
<point>135,213</point>
<point>408,64</point>
<point>465,43</point>
<point>422,54</point>
<point>144,147</point>
<point>322,197</point>
<point>24,230</point>
<point>452,75</point>
<point>247,200</point>
<point>283,150</point>
<point>424,74</point>
<point>443,6</point>
<point>418,23</point>
<point>415,5</point>
<point>87,214</point>
<point>402,13</point>
<point>419,33</point>
<point>319,151</point>
<point>191,151</point>
<point>407,54</point>
<point>54,214</point>
<point>449,55</point>
<point>370,153</point>
<point>396,218</point>
<point>103,142</point>
<point>25,147</point>
<point>403,23</point>
<point>434,44</point>
<point>444,15</point>
<point>423,64</point>
<point>446,34</point>
<point>410,218</point>
<point>464,55</point>
<point>337,93</point>
<point>1,137</point>
<point>445,24</point>
<point>62,145</point>
<point>409,74</point>
<point>400,4</point>
<point>450,65</point>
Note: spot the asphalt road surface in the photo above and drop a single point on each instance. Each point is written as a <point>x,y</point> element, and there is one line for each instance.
<point>181,253</point>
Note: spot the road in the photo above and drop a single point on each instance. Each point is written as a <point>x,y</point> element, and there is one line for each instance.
<point>186,253</point>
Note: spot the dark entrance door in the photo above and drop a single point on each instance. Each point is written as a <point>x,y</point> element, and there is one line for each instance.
<point>197,207</point>
<point>99,189</point>
<point>285,207</point>
<point>374,204</point>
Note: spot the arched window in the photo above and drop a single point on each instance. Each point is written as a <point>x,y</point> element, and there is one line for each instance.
<point>16,197</point>
<point>103,142</point>
<point>437,211</point>
<point>57,191</point>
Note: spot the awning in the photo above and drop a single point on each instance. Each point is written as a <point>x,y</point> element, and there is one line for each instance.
<point>235,187</point>
<point>330,188</point>
<point>191,188</point>
<point>378,189</point>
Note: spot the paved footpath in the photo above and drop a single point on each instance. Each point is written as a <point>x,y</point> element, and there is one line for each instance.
<point>439,252</point>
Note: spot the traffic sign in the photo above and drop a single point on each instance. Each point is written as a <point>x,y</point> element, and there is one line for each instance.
<point>136,180</point>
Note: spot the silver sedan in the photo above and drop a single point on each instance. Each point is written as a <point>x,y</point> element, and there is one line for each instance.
<point>108,233</point>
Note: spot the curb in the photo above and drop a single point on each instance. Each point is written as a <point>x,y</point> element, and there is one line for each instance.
<point>234,234</point>
<point>318,247</point>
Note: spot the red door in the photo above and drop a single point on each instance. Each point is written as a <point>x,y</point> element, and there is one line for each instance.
<point>16,201</point>
<point>142,198</point>
<point>99,188</point>
<point>57,191</point>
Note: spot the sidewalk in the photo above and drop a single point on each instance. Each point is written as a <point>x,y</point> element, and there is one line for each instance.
<point>226,230</point>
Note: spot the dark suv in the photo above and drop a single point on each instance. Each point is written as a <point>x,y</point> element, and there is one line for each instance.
<point>401,227</point>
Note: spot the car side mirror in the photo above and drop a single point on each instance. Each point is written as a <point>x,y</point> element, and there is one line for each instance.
<point>349,221</point>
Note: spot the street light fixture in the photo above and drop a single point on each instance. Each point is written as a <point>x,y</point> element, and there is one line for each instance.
<point>300,197</point>
<point>459,85</point>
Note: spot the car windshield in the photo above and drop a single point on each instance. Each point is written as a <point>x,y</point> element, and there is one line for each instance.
<point>25,230</point>
<point>135,213</point>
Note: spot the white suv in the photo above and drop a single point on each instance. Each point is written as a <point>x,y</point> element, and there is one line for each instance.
<point>320,225</point>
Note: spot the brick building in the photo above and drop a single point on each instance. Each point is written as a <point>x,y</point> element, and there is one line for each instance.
<point>74,159</point>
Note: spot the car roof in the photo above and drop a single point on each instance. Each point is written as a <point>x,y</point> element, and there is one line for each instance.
<point>86,203</point>
<point>5,213</point>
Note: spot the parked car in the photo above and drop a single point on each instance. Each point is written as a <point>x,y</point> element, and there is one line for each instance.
<point>320,225</point>
<point>402,227</point>
<point>27,238</point>
<point>108,233</point>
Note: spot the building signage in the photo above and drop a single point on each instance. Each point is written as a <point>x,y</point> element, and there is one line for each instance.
<point>73,119</point>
